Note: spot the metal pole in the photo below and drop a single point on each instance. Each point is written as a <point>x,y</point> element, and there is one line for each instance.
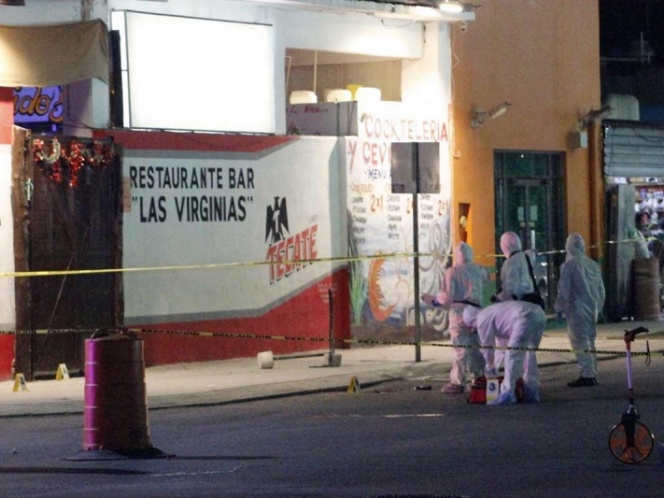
<point>331,355</point>
<point>416,259</point>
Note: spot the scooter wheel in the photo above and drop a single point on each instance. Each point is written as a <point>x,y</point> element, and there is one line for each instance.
<point>644,442</point>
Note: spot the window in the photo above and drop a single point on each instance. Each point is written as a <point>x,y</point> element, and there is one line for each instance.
<point>182,73</point>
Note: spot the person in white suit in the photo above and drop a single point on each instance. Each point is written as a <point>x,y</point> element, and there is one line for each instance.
<point>515,279</point>
<point>580,299</point>
<point>462,287</point>
<point>518,325</point>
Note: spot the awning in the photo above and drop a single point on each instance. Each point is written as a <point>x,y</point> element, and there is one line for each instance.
<point>56,54</point>
<point>633,150</point>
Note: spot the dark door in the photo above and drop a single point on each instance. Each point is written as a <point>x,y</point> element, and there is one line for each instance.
<point>528,202</point>
<point>74,227</point>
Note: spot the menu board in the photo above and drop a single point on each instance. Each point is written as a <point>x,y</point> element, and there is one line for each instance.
<point>381,242</point>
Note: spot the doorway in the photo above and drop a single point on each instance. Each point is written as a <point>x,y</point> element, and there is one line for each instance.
<point>529,202</point>
<point>72,216</point>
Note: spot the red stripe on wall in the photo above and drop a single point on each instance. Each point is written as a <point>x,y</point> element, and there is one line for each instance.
<point>306,315</point>
<point>207,142</point>
<point>6,353</point>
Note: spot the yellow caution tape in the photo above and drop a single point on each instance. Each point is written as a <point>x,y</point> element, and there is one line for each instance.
<point>341,259</point>
<point>243,335</point>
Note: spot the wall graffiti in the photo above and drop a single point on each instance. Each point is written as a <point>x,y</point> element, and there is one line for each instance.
<point>380,233</point>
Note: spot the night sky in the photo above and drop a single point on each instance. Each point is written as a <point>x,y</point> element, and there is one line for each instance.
<point>623,21</point>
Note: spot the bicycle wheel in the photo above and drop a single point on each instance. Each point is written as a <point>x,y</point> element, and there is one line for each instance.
<point>644,442</point>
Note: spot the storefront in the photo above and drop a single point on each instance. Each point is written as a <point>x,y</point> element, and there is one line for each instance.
<point>634,178</point>
<point>238,232</point>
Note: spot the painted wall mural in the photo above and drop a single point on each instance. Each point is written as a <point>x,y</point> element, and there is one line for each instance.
<point>380,233</point>
<point>381,142</point>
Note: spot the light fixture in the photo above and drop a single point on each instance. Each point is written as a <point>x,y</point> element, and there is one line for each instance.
<point>479,116</point>
<point>451,7</point>
<point>455,7</point>
<point>13,3</point>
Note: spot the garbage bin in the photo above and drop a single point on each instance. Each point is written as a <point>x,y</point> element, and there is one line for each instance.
<point>647,305</point>
<point>115,414</point>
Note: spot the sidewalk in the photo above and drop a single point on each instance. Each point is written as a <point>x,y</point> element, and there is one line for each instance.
<point>232,381</point>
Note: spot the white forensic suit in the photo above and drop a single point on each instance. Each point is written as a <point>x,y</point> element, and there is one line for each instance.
<point>519,325</point>
<point>515,279</point>
<point>580,298</point>
<point>462,287</point>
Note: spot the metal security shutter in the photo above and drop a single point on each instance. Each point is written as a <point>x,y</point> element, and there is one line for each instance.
<point>633,150</point>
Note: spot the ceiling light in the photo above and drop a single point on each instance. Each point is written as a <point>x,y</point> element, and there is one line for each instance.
<point>455,7</point>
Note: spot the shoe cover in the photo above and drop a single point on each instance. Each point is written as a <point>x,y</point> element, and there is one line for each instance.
<point>452,389</point>
<point>504,399</point>
<point>530,394</point>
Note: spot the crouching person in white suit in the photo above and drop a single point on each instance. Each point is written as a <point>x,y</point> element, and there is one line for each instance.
<point>518,325</point>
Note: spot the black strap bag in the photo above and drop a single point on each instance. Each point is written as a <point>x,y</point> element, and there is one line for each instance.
<point>534,297</point>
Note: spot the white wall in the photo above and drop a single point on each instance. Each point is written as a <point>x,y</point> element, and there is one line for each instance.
<point>239,279</point>
<point>428,79</point>
<point>7,302</point>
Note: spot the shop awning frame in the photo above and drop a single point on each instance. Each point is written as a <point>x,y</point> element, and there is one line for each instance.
<point>54,54</point>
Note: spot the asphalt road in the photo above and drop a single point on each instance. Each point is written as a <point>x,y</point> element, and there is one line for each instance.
<point>391,440</point>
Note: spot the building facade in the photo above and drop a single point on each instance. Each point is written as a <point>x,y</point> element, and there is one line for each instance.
<point>478,128</point>
<point>536,169</point>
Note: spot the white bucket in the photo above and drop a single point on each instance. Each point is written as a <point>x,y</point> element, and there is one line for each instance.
<point>265,359</point>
